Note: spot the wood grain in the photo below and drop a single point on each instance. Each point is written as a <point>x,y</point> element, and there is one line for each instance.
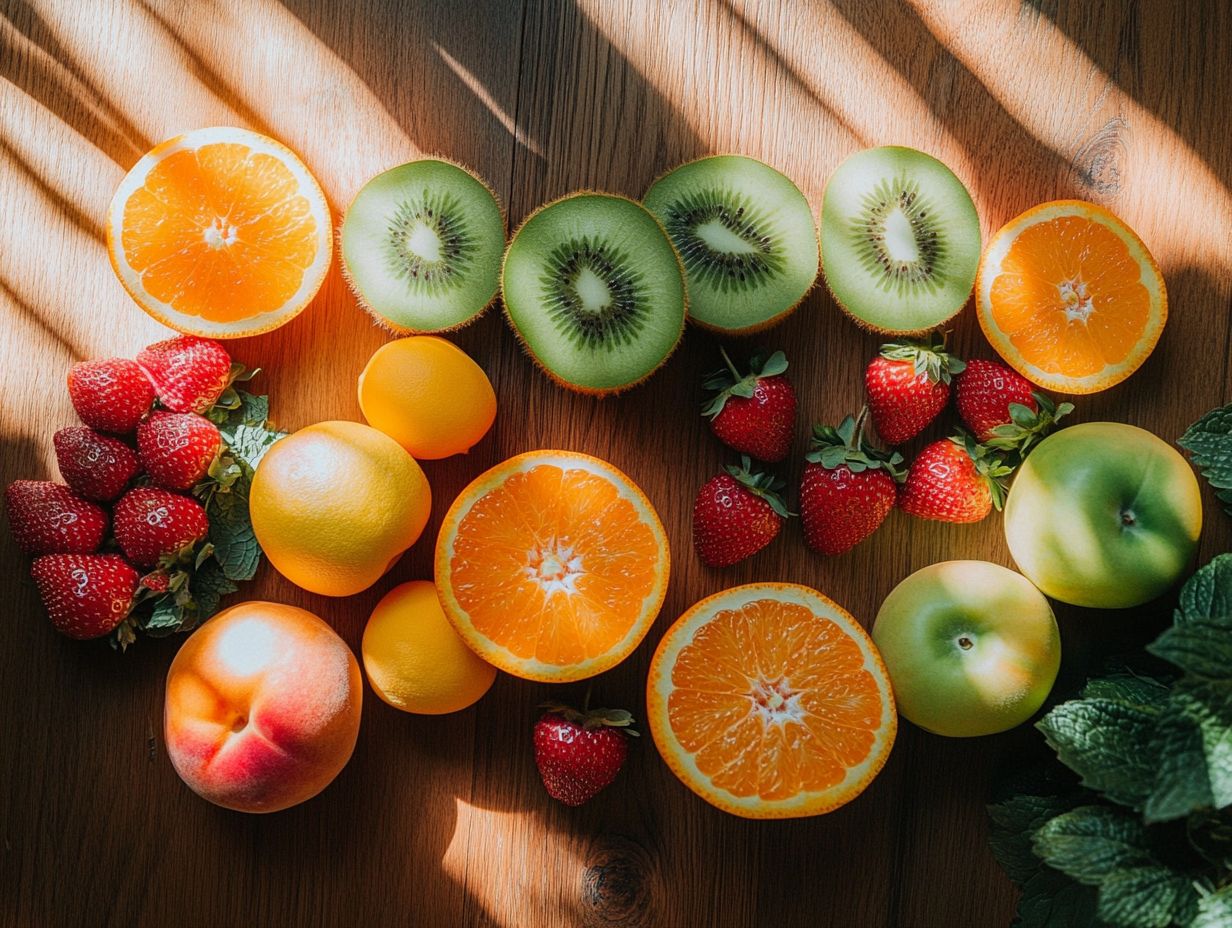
<point>443,821</point>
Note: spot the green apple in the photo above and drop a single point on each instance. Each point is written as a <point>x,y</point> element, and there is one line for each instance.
<point>972,648</point>
<point>1103,514</point>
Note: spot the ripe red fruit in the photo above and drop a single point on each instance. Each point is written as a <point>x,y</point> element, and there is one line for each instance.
<point>954,480</point>
<point>49,518</point>
<point>578,754</point>
<point>1002,408</point>
<point>908,385</point>
<point>189,373</point>
<point>151,524</point>
<point>177,448</point>
<point>97,466</point>
<point>753,413</point>
<point>86,595</point>
<point>110,395</point>
<point>847,489</point>
<point>736,514</point>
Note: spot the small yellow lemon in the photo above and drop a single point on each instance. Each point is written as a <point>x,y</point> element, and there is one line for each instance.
<point>428,395</point>
<point>335,504</point>
<point>415,660</point>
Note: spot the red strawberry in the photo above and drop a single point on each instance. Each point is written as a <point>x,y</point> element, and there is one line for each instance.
<point>95,465</point>
<point>954,480</point>
<point>49,518</point>
<point>1002,408</point>
<point>753,413</point>
<point>908,385</point>
<point>189,373</point>
<point>736,514</point>
<point>110,395</point>
<point>86,595</point>
<point>152,523</point>
<point>177,448</point>
<point>578,753</point>
<point>847,489</point>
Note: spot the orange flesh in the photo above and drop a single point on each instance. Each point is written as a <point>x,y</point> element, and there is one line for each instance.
<point>221,232</point>
<point>554,565</point>
<point>1069,297</point>
<point>772,700</point>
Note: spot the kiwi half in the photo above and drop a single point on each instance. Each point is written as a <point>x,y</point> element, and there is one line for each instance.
<point>900,240</point>
<point>746,236</point>
<point>421,246</point>
<point>594,291</point>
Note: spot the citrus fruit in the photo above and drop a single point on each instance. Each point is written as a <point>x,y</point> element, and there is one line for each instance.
<point>220,232</point>
<point>1070,297</point>
<point>335,504</point>
<point>770,701</point>
<point>415,660</point>
<point>552,565</point>
<point>427,395</point>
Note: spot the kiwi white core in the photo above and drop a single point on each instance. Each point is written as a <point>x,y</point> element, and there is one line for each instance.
<point>423,242</point>
<point>593,294</point>
<point>900,238</point>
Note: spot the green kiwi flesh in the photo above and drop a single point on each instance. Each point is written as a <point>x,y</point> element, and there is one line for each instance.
<point>421,246</point>
<point>595,292</point>
<point>900,240</point>
<point>746,237</point>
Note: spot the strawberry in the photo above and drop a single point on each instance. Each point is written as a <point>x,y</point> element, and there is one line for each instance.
<point>97,466</point>
<point>954,480</point>
<point>579,753</point>
<point>908,385</point>
<point>753,413</point>
<point>847,489</point>
<point>49,518</point>
<point>151,524</point>
<point>86,595</point>
<point>189,373</point>
<point>1002,408</point>
<point>110,395</point>
<point>177,448</point>
<point>736,514</point>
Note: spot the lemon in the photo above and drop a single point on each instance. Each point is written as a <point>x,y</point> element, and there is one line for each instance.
<point>415,660</point>
<point>428,395</point>
<point>335,504</point>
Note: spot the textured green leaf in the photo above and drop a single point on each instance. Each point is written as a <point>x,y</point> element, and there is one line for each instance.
<point>1127,687</point>
<point>1206,597</point>
<point>1012,823</point>
<point>1209,703</point>
<point>1196,648</point>
<point>1209,443</point>
<point>1145,897</point>
<point>208,586</point>
<point>235,544</point>
<point>166,616</point>
<point>1090,842</point>
<point>1180,784</point>
<point>1107,743</point>
<point>1052,900</point>
<point>1214,910</point>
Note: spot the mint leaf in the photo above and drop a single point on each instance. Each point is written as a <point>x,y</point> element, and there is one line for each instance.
<point>1209,443</point>
<point>1052,900</point>
<point>1206,598</point>
<point>166,617</point>
<point>1209,704</point>
<point>208,585</point>
<point>1197,648</point>
<point>1214,910</point>
<point>1146,897</point>
<point>1127,687</point>
<point>235,545</point>
<point>250,442</point>
<point>1180,785</point>
<point>1090,842</point>
<point>1013,822</point>
<point>1107,743</point>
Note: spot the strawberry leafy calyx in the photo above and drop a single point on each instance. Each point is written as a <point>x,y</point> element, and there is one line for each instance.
<point>990,464</point>
<point>1027,427</point>
<point>591,719</point>
<point>928,359</point>
<point>844,446</point>
<point>762,485</point>
<point>728,381</point>
<point>230,398</point>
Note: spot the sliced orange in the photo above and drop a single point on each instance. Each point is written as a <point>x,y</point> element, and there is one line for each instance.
<point>552,565</point>
<point>220,232</point>
<point>770,701</point>
<point>1070,297</point>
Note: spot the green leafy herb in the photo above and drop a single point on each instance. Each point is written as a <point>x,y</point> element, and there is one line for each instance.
<point>1209,443</point>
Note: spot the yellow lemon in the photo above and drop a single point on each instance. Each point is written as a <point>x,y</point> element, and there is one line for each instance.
<point>335,504</point>
<point>415,660</point>
<point>428,395</point>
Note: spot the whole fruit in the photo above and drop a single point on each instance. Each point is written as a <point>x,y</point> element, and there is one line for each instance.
<point>580,753</point>
<point>177,448</point>
<point>954,480</point>
<point>414,659</point>
<point>335,504</point>
<point>110,395</point>
<point>753,413</point>
<point>972,648</point>
<point>1104,515</point>
<point>736,514</point>
<point>427,395</point>
<point>49,518</point>
<point>85,595</point>
<point>908,384</point>
<point>189,373</point>
<point>97,466</point>
<point>151,524</point>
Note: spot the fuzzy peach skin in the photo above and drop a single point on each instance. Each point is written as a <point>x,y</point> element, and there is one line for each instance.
<point>262,708</point>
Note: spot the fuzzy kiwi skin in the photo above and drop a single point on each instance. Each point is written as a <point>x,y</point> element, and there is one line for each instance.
<point>388,324</point>
<point>579,388</point>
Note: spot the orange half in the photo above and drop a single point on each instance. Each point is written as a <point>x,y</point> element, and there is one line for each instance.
<point>220,232</point>
<point>552,565</point>
<point>770,701</point>
<point>1070,297</point>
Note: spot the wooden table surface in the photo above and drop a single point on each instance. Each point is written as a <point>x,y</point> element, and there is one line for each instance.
<point>442,821</point>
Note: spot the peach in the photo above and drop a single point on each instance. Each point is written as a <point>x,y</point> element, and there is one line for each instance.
<point>262,707</point>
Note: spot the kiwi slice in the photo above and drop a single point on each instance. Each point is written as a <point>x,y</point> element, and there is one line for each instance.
<point>900,240</point>
<point>746,236</point>
<point>594,291</point>
<point>421,246</point>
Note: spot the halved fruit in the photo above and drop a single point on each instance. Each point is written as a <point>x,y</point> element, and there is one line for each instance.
<point>770,701</point>
<point>220,232</point>
<point>421,246</point>
<point>552,565</point>
<point>746,236</point>
<point>1070,297</point>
